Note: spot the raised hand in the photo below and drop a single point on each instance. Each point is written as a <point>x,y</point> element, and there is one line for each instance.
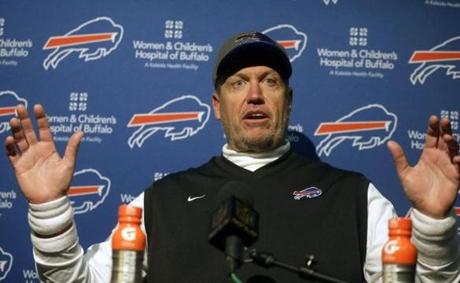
<point>432,184</point>
<point>41,173</point>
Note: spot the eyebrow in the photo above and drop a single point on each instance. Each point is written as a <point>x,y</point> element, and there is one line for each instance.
<point>263,75</point>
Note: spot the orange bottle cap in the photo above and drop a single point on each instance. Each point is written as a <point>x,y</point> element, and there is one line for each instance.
<point>129,210</point>
<point>400,226</point>
<point>400,223</point>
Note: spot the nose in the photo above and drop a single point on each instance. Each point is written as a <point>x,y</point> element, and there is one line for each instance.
<point>255,95</point>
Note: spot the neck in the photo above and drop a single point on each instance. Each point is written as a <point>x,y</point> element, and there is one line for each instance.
<point>253,161</point>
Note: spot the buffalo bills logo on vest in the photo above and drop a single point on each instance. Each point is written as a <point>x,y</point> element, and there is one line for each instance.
<point>311,192</point>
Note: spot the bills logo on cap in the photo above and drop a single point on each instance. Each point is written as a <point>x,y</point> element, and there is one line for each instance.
<point>179,118</point>
<point>311,192</point>
<point>88,190</point>
<point>6,262</point>
<point>249,36</point>
<point>290,38</point>
<point>91,40</point>
<point>443,56</point>
<point>367,127</point>
<point>8,101</point>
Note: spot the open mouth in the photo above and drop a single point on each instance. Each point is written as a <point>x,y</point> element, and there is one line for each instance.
<point>255,115</point>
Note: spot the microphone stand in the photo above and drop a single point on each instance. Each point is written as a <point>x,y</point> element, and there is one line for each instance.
<point>265,259</point>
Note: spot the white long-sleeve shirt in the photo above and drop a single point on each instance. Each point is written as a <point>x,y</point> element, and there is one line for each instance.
<point>62,259</point>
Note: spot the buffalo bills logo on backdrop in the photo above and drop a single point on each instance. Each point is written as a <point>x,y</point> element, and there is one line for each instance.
<point>88,190</point>
<point>8,101</point>
<point>6,261</point>
<point>367,127</point>
<point>179,118</point>
<point>445,56</point>
<point>91,40</point>
<point>290,38</point>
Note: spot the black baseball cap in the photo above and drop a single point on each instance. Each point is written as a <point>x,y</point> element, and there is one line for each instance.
<point>250,49</point>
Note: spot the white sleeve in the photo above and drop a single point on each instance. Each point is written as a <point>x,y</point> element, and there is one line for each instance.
<point>61,258</point>
<point>379,210</point>
<point>438,249</point>
<point>436,241</point>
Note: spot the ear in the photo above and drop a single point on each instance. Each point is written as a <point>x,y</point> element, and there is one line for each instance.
<point>289,96</point>
<point>216,105</point>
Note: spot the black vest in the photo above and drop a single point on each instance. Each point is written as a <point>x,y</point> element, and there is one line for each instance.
<point>331,226</point>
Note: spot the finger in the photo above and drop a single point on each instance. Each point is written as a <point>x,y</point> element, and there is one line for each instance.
<point>72,147</point>
<point>451,144</point>
<point>26,123</point>
<point>446,127</point>
<point>13,155</point>
<point>445,131</point>
<point>432,134</point>
<point>399,158</point>
<point>43,125</point>
<point>18,134</point>
<point>456,159</point>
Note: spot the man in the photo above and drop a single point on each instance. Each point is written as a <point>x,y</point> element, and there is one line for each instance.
<point>345,226</point>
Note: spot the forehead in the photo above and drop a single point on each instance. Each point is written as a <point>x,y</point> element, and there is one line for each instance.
<point>256,71</point>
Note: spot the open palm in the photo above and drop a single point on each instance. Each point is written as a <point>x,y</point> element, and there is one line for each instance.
<point>432,184</point>
<point>41,173</point>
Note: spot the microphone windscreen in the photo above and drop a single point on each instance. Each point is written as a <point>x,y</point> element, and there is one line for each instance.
<point>236,189</point>
<point>234,216</point>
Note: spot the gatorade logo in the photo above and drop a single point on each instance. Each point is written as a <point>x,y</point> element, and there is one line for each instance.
<point>129,233</point>
<point>391,247</point>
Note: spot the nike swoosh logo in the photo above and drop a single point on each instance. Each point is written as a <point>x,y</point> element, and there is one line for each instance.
<point>190,198</point>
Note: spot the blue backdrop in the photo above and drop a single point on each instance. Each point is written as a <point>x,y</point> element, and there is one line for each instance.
<point>135,76</point>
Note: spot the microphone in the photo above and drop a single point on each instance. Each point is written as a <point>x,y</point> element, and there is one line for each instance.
<point>234,224</point>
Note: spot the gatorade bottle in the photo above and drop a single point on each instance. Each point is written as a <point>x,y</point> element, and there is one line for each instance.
<point>128,243</point>
<point>399,255</point>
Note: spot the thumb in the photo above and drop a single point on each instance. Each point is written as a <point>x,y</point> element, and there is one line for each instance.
<point>399,158</point>
<point>72,147</point>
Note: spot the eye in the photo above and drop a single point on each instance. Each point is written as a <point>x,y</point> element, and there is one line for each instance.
<point>238,83</point>
<point>271,82</point>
